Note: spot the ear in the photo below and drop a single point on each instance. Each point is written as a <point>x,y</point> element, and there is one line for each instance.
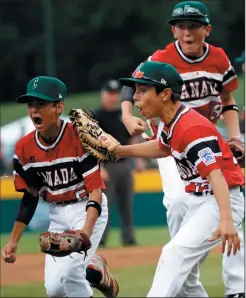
<point>60,108</point>
<point>208,30</point>
<point>166,94</point>
<point>174,32</point>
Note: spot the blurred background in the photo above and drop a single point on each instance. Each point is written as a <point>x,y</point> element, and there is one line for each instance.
<point>85,43</point>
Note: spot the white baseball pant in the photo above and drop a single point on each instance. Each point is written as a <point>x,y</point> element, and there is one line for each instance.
<point>191,243</point>
<point>66,276</point>
<point>176,202</point>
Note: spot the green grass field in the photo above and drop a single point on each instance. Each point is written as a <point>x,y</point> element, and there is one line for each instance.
<point>134,281</point>
<point>13,111</point>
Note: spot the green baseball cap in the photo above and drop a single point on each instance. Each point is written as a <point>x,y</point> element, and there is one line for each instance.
<point>190,10</point>
<point>157,74</point>
<point>241,59</point>
<point>45,88</point>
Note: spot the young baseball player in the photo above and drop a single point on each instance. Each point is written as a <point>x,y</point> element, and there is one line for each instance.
<point>210,172</point>
<point>209,80</point>
<point>50,163</point>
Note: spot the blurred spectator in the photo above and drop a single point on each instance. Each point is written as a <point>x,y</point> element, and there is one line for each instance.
<point>241,60</point>
<point>118,176</point>
<point>2,163</point>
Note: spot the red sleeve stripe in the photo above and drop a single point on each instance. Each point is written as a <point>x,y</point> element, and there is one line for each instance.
<point>91,171</point>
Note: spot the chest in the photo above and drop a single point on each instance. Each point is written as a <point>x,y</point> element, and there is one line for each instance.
<point>54,166</point>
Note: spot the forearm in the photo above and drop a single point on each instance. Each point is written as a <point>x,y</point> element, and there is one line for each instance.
<point>92,213</point>
<point>126,107</point>
<point>26,211</point>
<point>231,120</point>
<point>18,229</point>
<point>221,193</point>
<point>148,149</point>
<point>231,117</point>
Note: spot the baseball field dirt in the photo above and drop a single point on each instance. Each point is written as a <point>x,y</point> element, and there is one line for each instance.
<point>29,268</point>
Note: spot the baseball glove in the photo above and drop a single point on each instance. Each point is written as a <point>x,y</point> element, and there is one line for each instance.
<point>63,244</point>
<point>90,134</point>
<point>237,148</point>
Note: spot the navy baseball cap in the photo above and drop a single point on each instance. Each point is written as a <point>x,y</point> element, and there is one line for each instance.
<point>111,86</point>
<point>45,88</point>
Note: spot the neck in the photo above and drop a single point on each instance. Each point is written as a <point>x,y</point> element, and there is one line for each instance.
<point>52,132</point>
<point>169,111</point>
<point>199,53</point>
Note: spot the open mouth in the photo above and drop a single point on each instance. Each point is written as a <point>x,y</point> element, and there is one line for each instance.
<point>189,42</point>
<point>37,121</point>
<point>140,110</point>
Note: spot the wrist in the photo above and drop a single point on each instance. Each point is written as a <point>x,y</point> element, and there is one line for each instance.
<point>225,216</point>
<point>87,230</point>
<point>118,151</point>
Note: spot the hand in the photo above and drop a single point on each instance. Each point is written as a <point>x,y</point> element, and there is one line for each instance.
<point>104,174</point>
<point>86,230</point>
<point>8,252</point>
<point>153,125</point>
<point>139,164</point>
<point>134,125</point>
<point>228,233</point>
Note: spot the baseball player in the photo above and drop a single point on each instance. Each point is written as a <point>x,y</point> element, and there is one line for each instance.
<point>50,163</point>
<point>209,80</point>
<point>211,174</point>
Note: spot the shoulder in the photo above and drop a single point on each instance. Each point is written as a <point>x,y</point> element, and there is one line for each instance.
<point>194,126</point>
<point>217,51</point>
<point>165,54</point>
<point>220,57</point>
<point>25,141</point>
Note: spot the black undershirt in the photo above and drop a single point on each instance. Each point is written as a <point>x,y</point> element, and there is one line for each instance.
<point>27,208</point>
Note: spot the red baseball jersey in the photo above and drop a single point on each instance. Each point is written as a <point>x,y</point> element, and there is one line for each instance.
<point>198,148</point>
<point>62,171</point>
<point>204,78</point>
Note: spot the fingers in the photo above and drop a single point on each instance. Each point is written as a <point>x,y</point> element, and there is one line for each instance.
<point>8,256</point>
<point>223,243</point>
<point>10,259</point>
<point>236,243</point>
<point>229,246</point>
<point>215,236</point>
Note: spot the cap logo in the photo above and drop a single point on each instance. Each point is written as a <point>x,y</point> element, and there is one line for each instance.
<point>188,10</point>
<point>35,85</point>
<point>60,96</point>
<point>138,74</point>
<point>163,81</point>
<point>177,12</point>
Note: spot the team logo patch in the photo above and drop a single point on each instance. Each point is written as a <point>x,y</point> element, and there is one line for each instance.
<point>207,156</point>
<point>138,74</point>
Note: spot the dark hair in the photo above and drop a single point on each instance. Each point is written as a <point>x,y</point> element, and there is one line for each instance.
<point>174,97</point>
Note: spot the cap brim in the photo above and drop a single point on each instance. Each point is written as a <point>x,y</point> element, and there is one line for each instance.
<point>188,18</point>
<point>130,82</point>
<point>29,96</point>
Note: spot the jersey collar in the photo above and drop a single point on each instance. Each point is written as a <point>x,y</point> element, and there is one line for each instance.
<point>53,144</point>
<point>187,59</point>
